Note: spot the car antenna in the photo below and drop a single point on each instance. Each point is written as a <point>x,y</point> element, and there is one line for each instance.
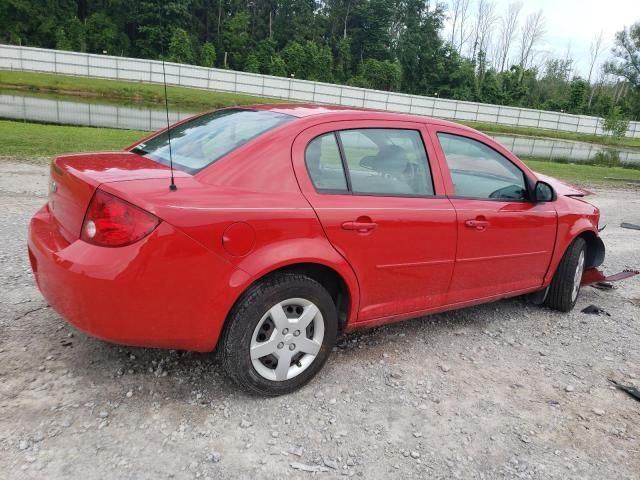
<point>172,186</point>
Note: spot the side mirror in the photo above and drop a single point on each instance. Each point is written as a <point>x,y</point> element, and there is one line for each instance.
<point>543,192</point>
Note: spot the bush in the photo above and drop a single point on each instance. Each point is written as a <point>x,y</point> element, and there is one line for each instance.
<point>252,65</point>
<point>208,55</point>
<point>180,49</point>
<point>615,124</point>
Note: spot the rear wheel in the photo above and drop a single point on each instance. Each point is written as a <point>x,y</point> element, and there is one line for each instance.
<point>565,286</point>
<point>279,335</point>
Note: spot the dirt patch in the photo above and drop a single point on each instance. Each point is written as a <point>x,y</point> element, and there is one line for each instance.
<point>504,390</point>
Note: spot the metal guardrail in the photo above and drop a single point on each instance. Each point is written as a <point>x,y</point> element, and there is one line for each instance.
<point>133,69</point>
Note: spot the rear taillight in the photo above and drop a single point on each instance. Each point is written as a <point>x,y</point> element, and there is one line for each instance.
<point>112,222</point>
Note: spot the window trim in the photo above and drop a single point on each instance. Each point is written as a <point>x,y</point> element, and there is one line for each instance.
<point>347,172</point>
<point>525,177</point>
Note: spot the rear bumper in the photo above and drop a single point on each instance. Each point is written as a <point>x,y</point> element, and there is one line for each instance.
<point>164,291</point>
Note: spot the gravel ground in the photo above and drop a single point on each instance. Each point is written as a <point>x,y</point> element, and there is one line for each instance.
<point>504,390</point>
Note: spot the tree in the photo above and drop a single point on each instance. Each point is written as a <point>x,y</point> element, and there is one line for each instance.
<point>180,48</point>
<point>75,34</point>
<point>379,74</point>
<point>208,55</point>
<point>595,49</point>
<point>293,55</point>
<point>459,30</point>
<point>154,23</point>
<point>508,30</point>
<point>627,53</point>
<point>62,42</point>
<point>252,65</point>
<point>342,64</point>
<point>531,35</point>
<point>235,36</point>
<point>265,50</point>
<point>485,19</point>
<point>615,124</point>
<point>277,66</point>
<point>103,36</point>
<point>577,95</point>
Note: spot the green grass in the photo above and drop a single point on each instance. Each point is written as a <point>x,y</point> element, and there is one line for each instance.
<point>185,98</point>
<point>580,173</point>
<point>490,128</point>
<point>27,140</point>
<point>197,100</point>
<point>24,141</point>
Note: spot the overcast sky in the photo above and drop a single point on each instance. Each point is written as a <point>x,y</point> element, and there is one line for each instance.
<point>574,23</point>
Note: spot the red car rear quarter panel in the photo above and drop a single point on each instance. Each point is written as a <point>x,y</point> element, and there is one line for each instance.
<point>254,186</point>
<point>156,292</point>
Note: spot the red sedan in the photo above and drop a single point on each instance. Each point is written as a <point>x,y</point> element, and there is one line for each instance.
<point>292,223</point>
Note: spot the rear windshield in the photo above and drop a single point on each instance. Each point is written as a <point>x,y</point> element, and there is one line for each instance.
<point>197,143</point>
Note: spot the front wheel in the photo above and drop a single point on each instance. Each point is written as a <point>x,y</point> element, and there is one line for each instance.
<point>565,286</point>
<point>279,335</point>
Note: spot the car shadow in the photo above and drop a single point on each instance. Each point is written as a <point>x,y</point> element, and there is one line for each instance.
<point>200,378</point>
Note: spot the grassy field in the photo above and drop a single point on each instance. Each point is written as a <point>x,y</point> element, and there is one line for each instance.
<point>25,140</point>
<point>196,99</point>
<point>186,98</point>
<point>541,132</point>
<point>30,140</point>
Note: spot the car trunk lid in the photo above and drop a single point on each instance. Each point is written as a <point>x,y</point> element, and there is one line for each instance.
<point>74,179</point>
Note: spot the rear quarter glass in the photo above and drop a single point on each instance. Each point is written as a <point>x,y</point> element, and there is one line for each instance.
<point>199,142</point>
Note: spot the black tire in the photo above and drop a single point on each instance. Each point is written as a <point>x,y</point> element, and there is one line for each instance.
<point>561,291</point>
<point>247,313</point>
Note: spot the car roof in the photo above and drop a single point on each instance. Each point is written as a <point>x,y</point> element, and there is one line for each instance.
<point>304,110</point>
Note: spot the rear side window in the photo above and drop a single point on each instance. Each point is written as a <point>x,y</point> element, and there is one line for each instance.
<point>386,161</point>
<point>325,165</point>
<point>378,161</point>
<point>478,171</point>
<point>197,143</point>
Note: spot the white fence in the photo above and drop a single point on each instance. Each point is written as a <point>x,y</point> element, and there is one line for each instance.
<point>46,110</point>
<point>134,69</point>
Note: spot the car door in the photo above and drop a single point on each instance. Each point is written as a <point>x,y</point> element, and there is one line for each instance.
<point>374,192</point>
<point>505,241</point>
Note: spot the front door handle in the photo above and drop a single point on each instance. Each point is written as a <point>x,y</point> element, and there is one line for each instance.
<point>361,227</point>
<point>477,224</point>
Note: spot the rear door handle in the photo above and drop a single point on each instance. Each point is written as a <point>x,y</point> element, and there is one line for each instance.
<point>359,226</point>
<point>477,224</point>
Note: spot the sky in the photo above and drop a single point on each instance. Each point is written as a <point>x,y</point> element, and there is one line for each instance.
<point>573,24</point>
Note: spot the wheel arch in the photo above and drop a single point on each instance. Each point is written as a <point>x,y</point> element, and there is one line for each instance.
<point>595,248</point>
<point>340,282</point>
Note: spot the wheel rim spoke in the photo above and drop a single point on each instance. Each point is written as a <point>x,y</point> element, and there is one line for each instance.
<point>307,345</point>
<point>263,349</point>
<point>279,317</point>
<point>284,362</point>
<point>307,316</point>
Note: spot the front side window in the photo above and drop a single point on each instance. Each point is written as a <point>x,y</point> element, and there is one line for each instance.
<point>197,143</point>
<point>478,171</point>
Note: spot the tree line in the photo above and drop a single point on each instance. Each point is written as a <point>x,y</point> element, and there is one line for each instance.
<point>398,45</point>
